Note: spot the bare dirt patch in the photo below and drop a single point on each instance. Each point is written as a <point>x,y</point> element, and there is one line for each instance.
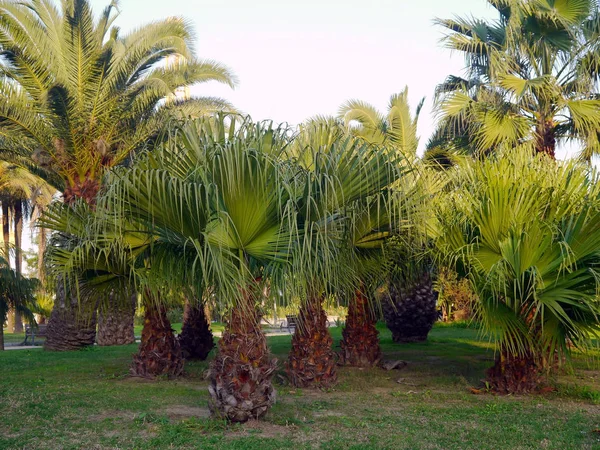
<point>185,412</point>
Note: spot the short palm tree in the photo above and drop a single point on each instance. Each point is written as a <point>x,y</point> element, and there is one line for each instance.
<point>531,78</point>
<point>341,172</point>
<point>526,231</point>
<point>215,203</point>
<point>409,304</point>
<point>78,97</point>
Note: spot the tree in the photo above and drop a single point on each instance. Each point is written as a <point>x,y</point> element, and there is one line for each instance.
<point>82,97</point>
<point>529,241</point>
<point>410,299</point>
<point>22,194</point>
<point>341,173</point>
<point>16,292</point>
<point>531,79</point>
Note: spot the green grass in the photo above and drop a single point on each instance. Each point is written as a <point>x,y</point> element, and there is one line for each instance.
<point>85,399</point>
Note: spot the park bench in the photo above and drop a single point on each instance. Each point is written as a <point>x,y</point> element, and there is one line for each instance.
<point>33,332</point>
<point>290,323</point>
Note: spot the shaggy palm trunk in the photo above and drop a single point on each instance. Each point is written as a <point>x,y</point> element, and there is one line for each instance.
<point>360,338</point>
<point>240,375</point>
<point>18,326</point>
<point>545,142</point>
<point>312,361</point>
<point>196,338</point>
<point>72,324</point>
<point>115,321</point>
<point>410,310</point>
<point>159,353</point>
<point>515,374</point>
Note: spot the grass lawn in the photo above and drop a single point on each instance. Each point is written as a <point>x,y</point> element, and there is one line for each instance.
<point>86,400</point>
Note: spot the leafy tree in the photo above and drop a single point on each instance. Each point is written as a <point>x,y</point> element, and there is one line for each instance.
<point>526,231</point>
<point>531,78</point>
<point>78,96</point>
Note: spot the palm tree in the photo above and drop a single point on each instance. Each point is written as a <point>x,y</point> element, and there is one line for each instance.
<point>409,304</point>
<point>396,129</point>
<point>216,208</point>
<point>531,79</point>
<point>80,97</point>
<point>17,293</point>
<point>341,172</point>
<point>21,193</point>
<point>526,231</point>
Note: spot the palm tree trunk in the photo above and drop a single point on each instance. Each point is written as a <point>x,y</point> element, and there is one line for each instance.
<point>545,138</point>
<point>6,230</point>
<point>115,321</point>
<point>240,375</point>
<point>159,353</point>
<point>72,327</point>
<point>6,240</point>
<point>72,324</point>
<point>312,361</point>
<point>410,309</point>
<point>360,338</point>
<point>515,374</point>
<point>18,222</point>
<point>196,338</point>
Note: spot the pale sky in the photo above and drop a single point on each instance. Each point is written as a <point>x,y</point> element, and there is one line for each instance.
<point>297,59</point>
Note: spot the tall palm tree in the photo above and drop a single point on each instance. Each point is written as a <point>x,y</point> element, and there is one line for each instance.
<point>22,193</point>
<point>532,77</point>
<point>17,293</point>
<point>82,96</point>
<point>526,231</point>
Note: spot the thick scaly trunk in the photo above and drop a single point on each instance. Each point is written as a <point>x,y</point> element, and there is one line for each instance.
<point>360,338</point>
<point>515,374</point>
<point>72,324</point>
<point>196,338</point>
<point>2,337</point>
<point>410,309</point>
<point>159,353</point>
<point>545,140</point>
<point>18,327</point>
<point>115,321</point>
<point>312,361</point>
<point>240,375</point>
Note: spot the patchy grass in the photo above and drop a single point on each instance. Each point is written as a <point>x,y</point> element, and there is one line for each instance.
<point>86,399</point>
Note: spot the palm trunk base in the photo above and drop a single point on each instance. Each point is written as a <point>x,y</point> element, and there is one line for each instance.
<point>1,337</point>
<point>72,324</point>
<point>196,338</point>
<point>312,361</point>
<point>240,375</point>
<point>159,353</point>
<point>515,375</point>
<point>115,323</point>
<point>360,338</point>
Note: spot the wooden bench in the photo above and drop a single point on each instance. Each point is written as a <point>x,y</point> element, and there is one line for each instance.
<point>33,332</point>
<point>290,323</point>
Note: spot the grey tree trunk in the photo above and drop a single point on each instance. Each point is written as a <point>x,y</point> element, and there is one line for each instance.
<point>18,326</point>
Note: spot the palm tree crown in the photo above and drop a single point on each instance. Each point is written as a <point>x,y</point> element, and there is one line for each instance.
<point>81,95</point>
